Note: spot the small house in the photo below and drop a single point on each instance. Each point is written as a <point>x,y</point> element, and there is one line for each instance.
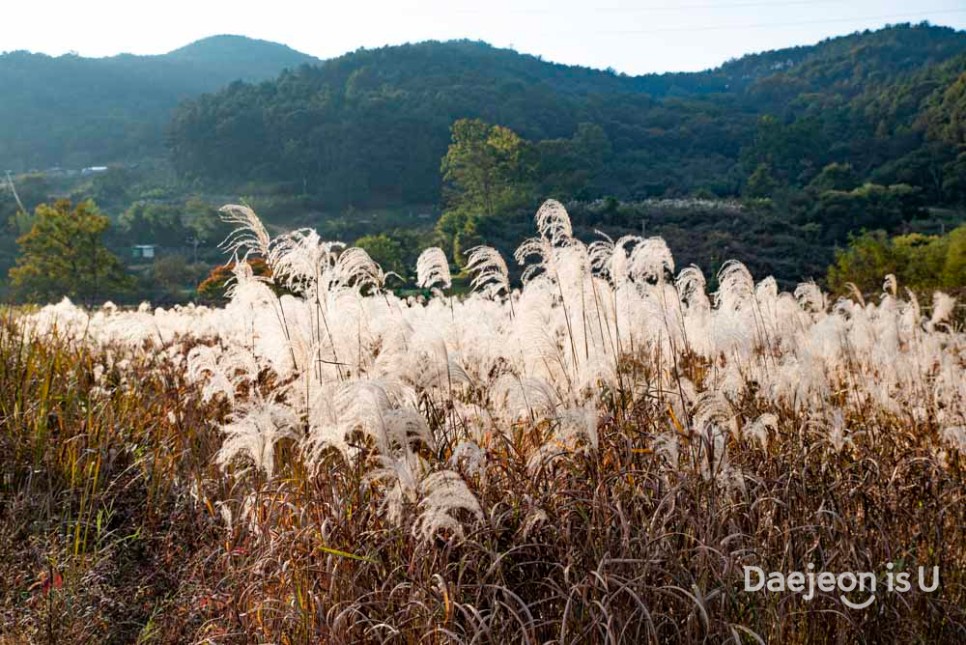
<point>143,251</point>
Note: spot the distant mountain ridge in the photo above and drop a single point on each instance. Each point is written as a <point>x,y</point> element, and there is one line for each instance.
<point>74,111</point>
<point>369,128</point>
<point>254,59</point>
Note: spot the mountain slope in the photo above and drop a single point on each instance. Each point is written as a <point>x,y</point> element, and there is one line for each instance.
<point>74,111</point>
<point>370,127</point>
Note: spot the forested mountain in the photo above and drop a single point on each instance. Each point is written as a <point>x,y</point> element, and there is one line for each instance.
<point>369,128</point>
<point>72,111</point>
<point>454,144</point>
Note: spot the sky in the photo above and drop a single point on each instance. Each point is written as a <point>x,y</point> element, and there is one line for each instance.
<point>630,37</point>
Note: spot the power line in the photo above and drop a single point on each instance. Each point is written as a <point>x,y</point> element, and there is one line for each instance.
<point>736,5</point>
<point>795,23</point>
<point>665,8</point>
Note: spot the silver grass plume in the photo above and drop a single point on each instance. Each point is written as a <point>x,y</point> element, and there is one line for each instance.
<point>691,286</point>
<point>257,428</point>
<point>355,268</point>
<point>713,409</point>
<point>540,247</point>
<point>651,259</point>
<point>302,262</point>
<point>955,436</point>
<point>249,235</point>
<point>766,290</point>
<point>735,285</point>
<point>247,288</point>
<point>491,273</point>
<point>553,222</point>
<point>942,308</point>
<point>432,269</point>
<point>855,293</point>
<point>760,428</point>
<point>400,478</point>
<point>890,285</point>
<point>444,493</point>
<point>810,297</point>
<point>609,258</point>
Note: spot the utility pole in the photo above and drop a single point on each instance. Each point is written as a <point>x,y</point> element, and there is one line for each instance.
<point>194,242</point>
<point>13,189</point>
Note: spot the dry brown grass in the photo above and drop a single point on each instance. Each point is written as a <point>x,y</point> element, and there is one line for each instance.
<point>111,528</point>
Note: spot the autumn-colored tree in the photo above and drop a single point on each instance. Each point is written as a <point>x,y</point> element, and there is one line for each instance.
<point>63,254</point>
<point>213,287</point>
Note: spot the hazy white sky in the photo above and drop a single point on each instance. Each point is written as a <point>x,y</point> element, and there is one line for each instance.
<point>632,37</point>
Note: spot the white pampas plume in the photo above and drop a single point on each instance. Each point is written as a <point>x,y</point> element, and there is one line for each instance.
<point>400,475</point>
<point>667,446</point>
<point>651,260</point>
<point>609,257</point>
<point>258,428</point>
<point>302,262</point>
<point>544,250</point>
<point>249,235</point>
<point>955,436</point>
<point>890,285</point>
<point>855,293</point>
<point>432,269</point>
<point>471,455</point>
<point>766,290</point>
<point>444,492</point>
<point>810,297</point>
<point>553,222</point>
<point>691,286</point>
<point>355,268</point>
<point>761,427</point>
<point>491,273</point>
<point>833,424</point>
<point>735,285</point>
<point>942,308</point>
<point>534,518</point>
<point>247,289</point>
<point>713,409</point>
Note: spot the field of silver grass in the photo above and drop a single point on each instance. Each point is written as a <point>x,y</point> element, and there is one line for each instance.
<point>592,457</point>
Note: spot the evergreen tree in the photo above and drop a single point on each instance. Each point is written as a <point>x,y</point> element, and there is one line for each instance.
<point>63,254</point>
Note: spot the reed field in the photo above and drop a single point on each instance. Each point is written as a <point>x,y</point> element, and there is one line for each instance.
<point>593,457</point>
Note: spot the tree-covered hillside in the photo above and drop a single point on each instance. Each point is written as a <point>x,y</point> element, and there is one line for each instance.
<point>71,111</point>
<point>369,128</point>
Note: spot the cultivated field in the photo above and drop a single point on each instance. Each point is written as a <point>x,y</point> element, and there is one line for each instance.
<point>592,458</point>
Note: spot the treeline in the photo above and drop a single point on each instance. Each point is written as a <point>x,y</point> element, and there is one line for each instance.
<point>918,262</point>
<point>368,129</point>
<point>125,209</point>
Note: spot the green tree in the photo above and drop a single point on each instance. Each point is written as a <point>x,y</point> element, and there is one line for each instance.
<point>946,119</point>
<point>485,176</point>
<point>760,182</point>
<point>63,254</point>
<point>866,207</point>
<point>386,251</point>
<point>835,176</point>
<point>569,167</point>
<point>483,168</point>
<point>954,268</point>
<point>920,262</point>
<point>172,278</point>
<point>145,222</point>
